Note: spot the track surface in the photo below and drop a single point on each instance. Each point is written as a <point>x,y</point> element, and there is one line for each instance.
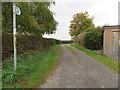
<point>78,70</point>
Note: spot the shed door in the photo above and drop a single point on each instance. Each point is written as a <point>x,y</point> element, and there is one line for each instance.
<point>115,45</point>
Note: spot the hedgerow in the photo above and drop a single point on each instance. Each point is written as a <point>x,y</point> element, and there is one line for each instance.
<point>94,39</point>
<point>66,41</point>
<point>25,43</point>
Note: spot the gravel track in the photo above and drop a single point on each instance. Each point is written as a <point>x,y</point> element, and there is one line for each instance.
<point>78,70</point>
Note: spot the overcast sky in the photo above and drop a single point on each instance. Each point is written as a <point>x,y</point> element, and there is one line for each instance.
<point>105,12</point>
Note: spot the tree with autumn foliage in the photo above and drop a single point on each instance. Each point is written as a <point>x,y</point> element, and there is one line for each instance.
<point>80,22</point>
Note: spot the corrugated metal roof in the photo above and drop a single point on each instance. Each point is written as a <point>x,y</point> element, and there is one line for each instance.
<point>113,26</point>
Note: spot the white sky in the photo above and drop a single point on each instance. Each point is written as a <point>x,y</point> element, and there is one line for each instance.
<point>105,12</point>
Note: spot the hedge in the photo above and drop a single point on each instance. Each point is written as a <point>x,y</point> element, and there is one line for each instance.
<point>67,42</point>
<point>91,39</point>
<point>25,43</point>
<point>94,39</point>
<point>53,41</point>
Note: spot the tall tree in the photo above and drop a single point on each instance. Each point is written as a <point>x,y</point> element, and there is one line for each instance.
<point>35,18</point>
<point>80,22</point>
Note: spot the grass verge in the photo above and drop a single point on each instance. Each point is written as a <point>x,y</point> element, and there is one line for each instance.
<point>73,51</point>
<point>107,61</point>
<point>31,69</point>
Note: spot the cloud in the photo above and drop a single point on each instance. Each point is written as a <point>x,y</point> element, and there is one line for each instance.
<point>103,11</point>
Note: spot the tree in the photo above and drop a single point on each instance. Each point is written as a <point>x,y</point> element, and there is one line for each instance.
<point>35,18</point>
<point>80,22</point>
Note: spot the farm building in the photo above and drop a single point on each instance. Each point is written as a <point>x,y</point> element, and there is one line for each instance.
<point>111,45</point>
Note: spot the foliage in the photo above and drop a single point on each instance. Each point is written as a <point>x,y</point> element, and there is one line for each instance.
<point>66,41</point>
<point>80,22</point>
<point>35,18</point>
<point>91,38</point>
<point>107,61</point>
<point>31,69</point>
<point>25,43</point>
<point>80,39</point>
<point>53,41</point>
<point>94,38</point>
<point>9,76</point>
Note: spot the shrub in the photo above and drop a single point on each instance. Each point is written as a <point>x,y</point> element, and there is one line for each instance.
<point>94,39</point>
<point>25,43</point>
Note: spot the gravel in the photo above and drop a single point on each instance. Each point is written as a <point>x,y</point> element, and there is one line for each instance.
<point>78,70</point>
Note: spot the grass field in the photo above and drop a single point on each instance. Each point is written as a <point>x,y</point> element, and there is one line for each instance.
<point>107,61</point>
<point>32,70</point>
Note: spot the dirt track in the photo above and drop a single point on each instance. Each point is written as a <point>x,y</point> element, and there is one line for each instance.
<point>78,70</point>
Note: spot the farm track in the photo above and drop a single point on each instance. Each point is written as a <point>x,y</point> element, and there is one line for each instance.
<point>78,70</point>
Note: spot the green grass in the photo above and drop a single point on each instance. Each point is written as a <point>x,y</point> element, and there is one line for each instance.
<point>32,70</point>
<point>72,50</point>
<point>107,61</point>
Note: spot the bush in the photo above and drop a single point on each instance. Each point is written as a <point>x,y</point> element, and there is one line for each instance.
<point>94,39</point>
<point>25,43</point>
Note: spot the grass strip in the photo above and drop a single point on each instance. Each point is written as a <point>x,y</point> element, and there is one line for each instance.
<point>107,61</point>
<point>32,70</point>
<point>73,51</point>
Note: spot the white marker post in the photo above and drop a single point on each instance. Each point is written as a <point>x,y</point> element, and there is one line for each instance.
<point>16,10</point>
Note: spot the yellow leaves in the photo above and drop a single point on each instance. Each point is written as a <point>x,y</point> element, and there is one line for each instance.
<point>80,22</point>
